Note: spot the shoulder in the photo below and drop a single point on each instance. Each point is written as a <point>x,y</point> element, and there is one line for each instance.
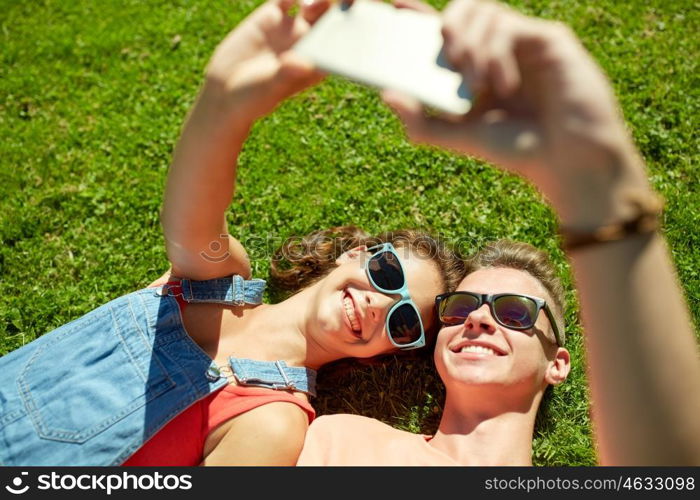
<point>233,400</point>
<point>271,434</point>
<point>277,417</point>
<point>355,440</point>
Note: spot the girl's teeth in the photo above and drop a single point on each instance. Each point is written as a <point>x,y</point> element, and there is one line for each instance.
<point>350,311</point>
<point>478,349</point>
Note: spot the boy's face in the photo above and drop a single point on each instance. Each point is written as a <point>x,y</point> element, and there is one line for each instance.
<point>481,352</point>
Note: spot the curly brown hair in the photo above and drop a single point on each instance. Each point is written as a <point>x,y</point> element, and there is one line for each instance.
<point>302,261</point>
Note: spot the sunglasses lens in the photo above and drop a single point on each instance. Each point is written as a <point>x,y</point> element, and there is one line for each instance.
<point>515,312</point>
<point>385,270</point>
<point>455,308</point>
<point>404,325</point>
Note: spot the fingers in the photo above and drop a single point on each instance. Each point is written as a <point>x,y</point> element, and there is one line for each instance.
<point>491,136</point>
<point>501,68</point>
<point>295,66</point>
<point>465,49</point>
<point>421,128</point>
<point>312,10</point>
<point>284,5</point>
<point>416,5</point>
<point>403,4</point>
<point>298,72</point>
<point>480,39</point>
<point>408,109</point>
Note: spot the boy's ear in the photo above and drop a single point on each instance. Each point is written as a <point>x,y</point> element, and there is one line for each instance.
<point>352,254</point>
<point>559,367</point>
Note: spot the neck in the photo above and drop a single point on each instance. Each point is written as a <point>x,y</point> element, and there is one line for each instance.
<point>474,431</point>
<point>278,332</point>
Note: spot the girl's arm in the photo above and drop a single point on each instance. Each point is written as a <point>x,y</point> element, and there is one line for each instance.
<point>272,434</point>
<point>200,187</point>
<point>250,73</point>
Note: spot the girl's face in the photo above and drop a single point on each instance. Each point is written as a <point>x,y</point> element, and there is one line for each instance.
<point>347,316</point>
<point>482,352</point>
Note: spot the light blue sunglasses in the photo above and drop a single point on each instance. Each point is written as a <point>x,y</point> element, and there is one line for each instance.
<point>403,322</point>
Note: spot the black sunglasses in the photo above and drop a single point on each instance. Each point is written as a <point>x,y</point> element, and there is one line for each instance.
<point>512,310</point>
<point>403,322</point>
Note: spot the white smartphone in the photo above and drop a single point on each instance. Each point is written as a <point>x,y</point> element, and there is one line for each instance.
<point>379,45</point>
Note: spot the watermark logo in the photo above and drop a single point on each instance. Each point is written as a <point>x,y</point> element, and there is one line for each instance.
<point>16,488</point>
<point>215,247</point>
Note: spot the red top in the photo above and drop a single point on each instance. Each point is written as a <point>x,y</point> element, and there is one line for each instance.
<point>181,441</point>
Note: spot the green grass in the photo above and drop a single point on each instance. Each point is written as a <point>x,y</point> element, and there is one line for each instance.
<point>92,96</point>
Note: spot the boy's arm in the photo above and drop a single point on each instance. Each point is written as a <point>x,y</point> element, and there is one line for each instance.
<point>644,371</point>
<point>547,112</point>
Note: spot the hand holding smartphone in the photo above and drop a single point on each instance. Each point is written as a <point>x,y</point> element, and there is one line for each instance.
<point>379,45</point>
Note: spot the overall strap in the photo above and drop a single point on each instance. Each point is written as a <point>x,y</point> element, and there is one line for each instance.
<point>273,375</point>
<point>232,290</point>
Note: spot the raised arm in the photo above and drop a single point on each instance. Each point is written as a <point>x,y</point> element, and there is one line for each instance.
<point>546,111</point>
<point>250,73</point>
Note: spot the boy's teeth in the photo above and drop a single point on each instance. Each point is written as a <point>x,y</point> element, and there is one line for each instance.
<point>478,349</point>
<point>350,311</point>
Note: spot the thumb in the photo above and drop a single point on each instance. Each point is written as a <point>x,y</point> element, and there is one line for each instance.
<point>422,128</point>
<point>296,72</point>
<point>408,109</point>
<point>295,65</point>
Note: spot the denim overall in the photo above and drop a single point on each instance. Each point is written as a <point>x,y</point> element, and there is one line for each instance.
<point>94,390</point>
